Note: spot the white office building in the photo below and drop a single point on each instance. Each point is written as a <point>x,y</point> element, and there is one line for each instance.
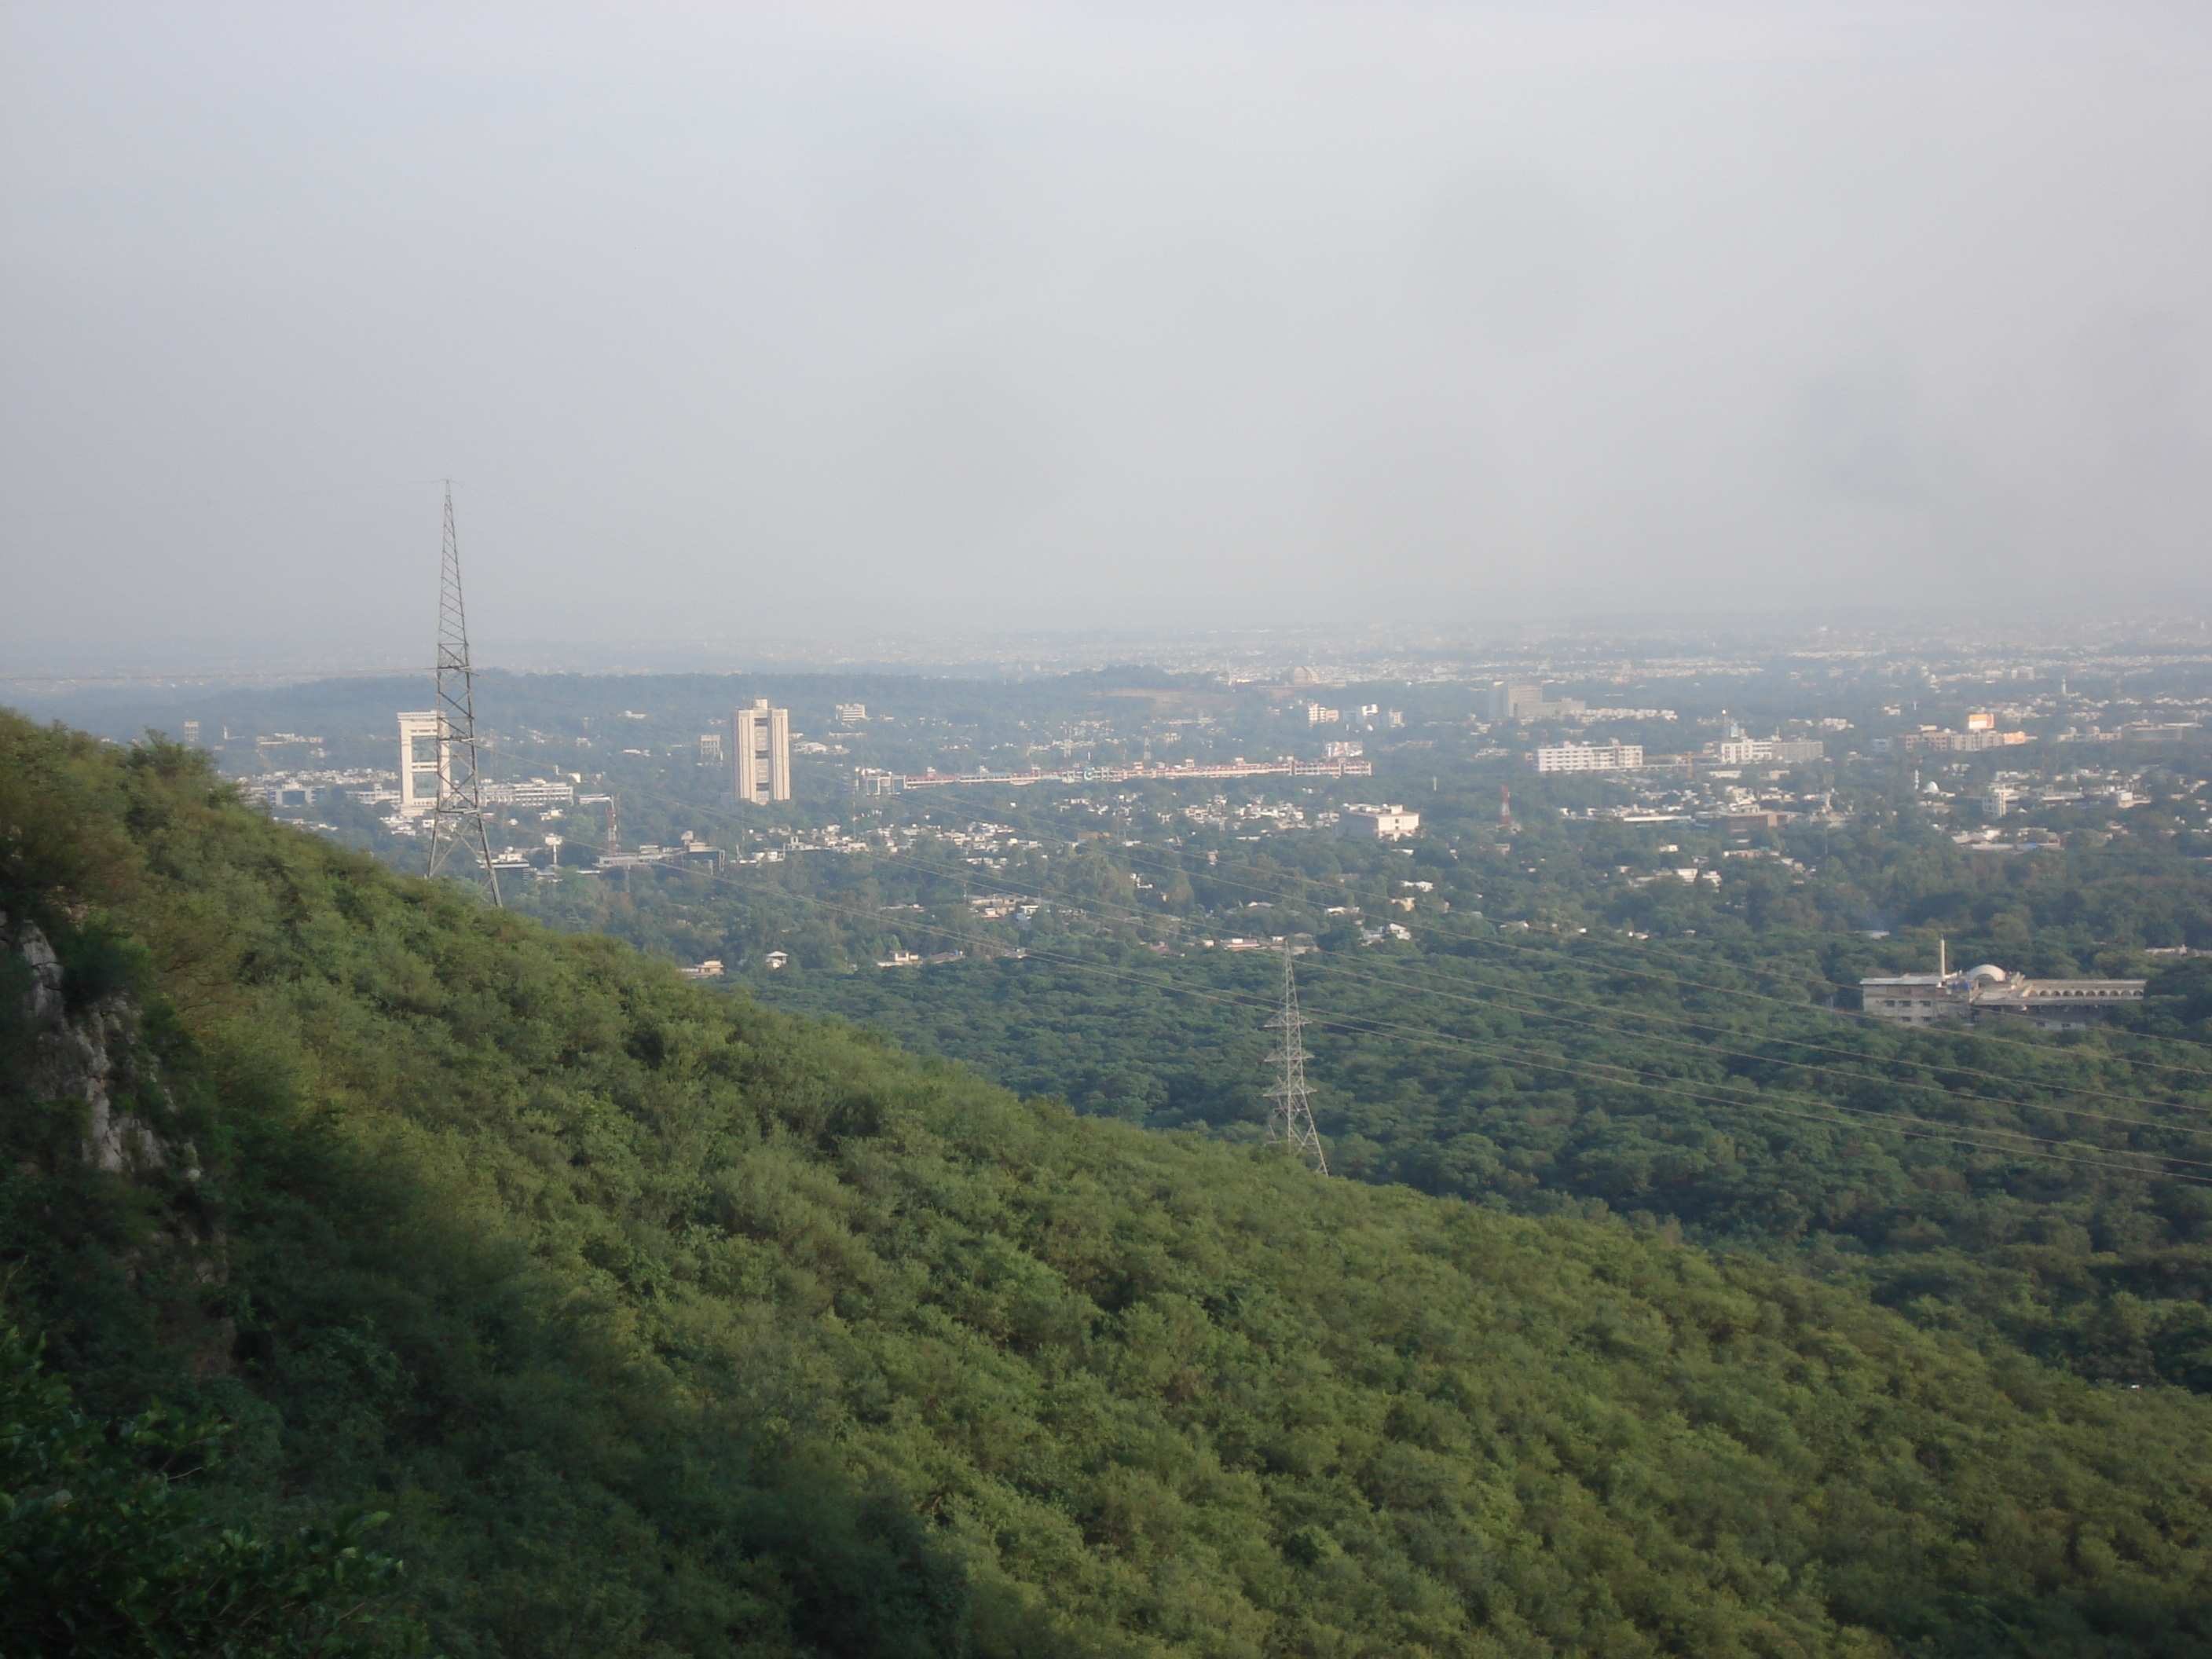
<point>762,760</point>
<point>1589,758</point>
<point>426,759</point>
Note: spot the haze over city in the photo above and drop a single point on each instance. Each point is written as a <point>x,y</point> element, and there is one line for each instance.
<point>747,324</point>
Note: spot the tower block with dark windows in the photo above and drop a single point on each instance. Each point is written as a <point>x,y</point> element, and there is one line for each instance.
<point>762,757</point>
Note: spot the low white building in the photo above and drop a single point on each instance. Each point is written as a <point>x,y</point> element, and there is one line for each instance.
<point>1782,752</point>
<point>531,792</point>
<point>1587,757</point>
<point>1367,822</point>
<point>1989,992</point>
<point>1913,998</point>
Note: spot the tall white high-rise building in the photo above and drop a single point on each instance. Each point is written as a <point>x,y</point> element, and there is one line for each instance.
<point>764,752</point>
<point>426,766</point>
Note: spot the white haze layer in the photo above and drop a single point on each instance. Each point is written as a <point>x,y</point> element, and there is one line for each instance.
<point>741,321</point>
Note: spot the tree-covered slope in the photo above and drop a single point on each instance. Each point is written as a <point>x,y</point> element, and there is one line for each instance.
<point>663,1324</point>
<point>2050,1194</point>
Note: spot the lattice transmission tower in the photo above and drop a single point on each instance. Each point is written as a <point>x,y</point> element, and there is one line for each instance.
<point>1291,1119</point>
<point>458,820</point>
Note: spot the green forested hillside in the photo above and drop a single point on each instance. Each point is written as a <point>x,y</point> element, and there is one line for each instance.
<point>660,1323</point>
<point>2051,1194</point>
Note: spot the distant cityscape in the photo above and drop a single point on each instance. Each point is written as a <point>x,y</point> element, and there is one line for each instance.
<point>1724,772</point>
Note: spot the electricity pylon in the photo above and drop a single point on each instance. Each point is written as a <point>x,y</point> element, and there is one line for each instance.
<point>458,819</point>
<point>1291,1119</point>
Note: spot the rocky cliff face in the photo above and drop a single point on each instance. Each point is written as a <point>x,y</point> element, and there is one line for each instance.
<point>93,1055</point>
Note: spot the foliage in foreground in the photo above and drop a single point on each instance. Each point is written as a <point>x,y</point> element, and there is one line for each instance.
<point>663,1324</point>
<point>103,1548</point>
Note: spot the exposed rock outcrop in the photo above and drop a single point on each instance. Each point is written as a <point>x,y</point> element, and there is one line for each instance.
<point>92,1055</point>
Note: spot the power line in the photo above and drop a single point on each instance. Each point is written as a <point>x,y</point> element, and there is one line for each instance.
<point>1430,983</point>
<point>212,674</point>
<point>1865,1021</point>
<point>1908,1126</point>
<point>76,510</point>
<point>1834,1072</point>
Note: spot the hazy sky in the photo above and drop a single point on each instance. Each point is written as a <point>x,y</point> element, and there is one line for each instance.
<point>735,319</point>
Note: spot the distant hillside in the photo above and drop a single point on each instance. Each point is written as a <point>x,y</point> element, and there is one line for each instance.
<point>662,1324</point>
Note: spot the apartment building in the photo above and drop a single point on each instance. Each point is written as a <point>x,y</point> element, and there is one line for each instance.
<point>1587,757</point>
<point>761,760</point>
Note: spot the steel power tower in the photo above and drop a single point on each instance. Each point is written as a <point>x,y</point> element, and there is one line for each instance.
<point>458,820</point>
<point>1291,1119</point>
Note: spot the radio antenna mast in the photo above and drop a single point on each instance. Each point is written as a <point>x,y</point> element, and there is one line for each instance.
<point>458,820</point>
<point>1291,1118</point>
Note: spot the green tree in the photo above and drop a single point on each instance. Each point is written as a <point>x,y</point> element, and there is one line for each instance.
<point>105,1548</point>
